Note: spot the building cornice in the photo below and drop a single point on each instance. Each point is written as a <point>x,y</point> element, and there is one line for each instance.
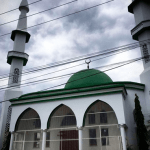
<point>130,7</point>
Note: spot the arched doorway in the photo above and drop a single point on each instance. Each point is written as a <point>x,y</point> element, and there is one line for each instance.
<point>101,130</point>
<point>62,133</point>
<point>28,134</point>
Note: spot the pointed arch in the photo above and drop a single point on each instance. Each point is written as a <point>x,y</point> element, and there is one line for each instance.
<point>49,119</point>
<point>83,123</point>
<point>55,110</point>
<point>24,118</point>
<point>65,115</point>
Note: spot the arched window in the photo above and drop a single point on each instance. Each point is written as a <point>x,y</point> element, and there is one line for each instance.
<point>101,130</point>
<point>62,133</point>
<point>28,133</point>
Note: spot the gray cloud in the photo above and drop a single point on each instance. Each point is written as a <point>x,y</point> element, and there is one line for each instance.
<point>94,30</point>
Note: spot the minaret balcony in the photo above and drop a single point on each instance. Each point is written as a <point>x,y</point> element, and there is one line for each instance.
<point>19,55</point>
<point>14,32</point>
<point>141,27</point>
<point>130,7</point>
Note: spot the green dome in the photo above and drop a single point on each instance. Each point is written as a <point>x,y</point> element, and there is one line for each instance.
<point>86,78</point>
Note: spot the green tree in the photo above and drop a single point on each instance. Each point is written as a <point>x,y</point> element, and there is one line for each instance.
<point>141,128</point>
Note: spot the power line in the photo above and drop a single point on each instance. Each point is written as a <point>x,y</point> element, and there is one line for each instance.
<point>38,13</point>
<point>89,75</point>
<point>97,73</point>
<point>79,58</point>
<point>18,7</point>
<point>60,17</point>
<point>12,87</point>
<point>68,67</point>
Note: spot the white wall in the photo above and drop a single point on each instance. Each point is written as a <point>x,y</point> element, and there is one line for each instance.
<point>78,106</point>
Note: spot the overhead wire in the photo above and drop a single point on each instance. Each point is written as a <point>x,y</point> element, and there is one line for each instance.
<point>79,58</point>
<point>60,17</point>
<point>70,67</point>
<point>18,7</point>
<point>76,65</point>
<point>97,73</point>
<point>38,13</point>
<point>37,81</point>
<point>87,76</point>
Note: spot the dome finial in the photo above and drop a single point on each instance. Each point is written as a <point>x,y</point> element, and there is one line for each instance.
<point>24,4</point>
<point>87,61</point>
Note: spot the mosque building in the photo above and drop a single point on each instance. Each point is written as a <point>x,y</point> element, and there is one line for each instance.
<point>90,113</point>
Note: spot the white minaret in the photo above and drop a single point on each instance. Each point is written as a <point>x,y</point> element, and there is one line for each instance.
<point>17,59</point>
<point>141,11</point>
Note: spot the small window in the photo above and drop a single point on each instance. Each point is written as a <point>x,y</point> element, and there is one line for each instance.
<point>36,144</point>
<point>92,135</point>
<point>91,118</point>
<point>104,133</point>
<point>103,117</point>
<point>47,139</point>
<point>68,120</point>
<point>37,123</point>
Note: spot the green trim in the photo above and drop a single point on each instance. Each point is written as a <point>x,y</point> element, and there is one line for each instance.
<point>129,82</point>
<point>135,88</point>
<point>56,99</point>
<point>57,90</point>
<point>70,92</point>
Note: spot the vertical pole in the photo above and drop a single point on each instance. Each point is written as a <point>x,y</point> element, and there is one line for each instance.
<point>44,139</point>
<point>80,137</point>
<point>24,140</point>
<point>100,143</point>
<point>11,141</point>
<point>123,135</point>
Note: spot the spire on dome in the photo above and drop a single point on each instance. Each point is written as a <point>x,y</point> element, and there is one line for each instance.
<point>24,5</point>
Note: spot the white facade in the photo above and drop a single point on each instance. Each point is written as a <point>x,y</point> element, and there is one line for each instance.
<point>120,99</point>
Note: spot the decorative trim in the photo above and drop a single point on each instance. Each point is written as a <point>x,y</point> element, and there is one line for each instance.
<point>14,32</point>
<point>18,55</point>
<point>70,92</point>
<point>73,97</point>
<point>84,89</point>
<point>130,7</point>
<point>141,27</point>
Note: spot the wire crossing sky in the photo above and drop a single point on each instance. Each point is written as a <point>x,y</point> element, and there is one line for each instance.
<point>124,63</point>
<point>60,17</point>
<point>89,32</point>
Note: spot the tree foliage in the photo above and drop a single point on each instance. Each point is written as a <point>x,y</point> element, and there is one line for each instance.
<point>141,128</point>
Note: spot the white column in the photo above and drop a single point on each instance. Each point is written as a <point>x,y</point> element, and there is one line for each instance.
<point>123,135</point>
<point>44,139</point>
<point>80,137</point>
<point>11,140</point>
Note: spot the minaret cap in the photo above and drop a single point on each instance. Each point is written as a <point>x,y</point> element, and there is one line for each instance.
<point>24,4</point>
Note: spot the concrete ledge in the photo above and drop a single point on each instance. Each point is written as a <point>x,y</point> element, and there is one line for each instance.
<point>141,27</point>
<point>15,54</point>
<point>14,32</point>
<point>130,7</point>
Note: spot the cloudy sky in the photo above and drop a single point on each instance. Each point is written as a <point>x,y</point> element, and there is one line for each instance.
<point>97,29</point>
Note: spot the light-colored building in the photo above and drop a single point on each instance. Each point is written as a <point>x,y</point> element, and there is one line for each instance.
<point>90,113</point>
<point>94,113</point>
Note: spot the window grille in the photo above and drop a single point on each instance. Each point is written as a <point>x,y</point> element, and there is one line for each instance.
<point>62,132</point>
<point>91,116</point>
<point>104,133</point>
<point>92,136</point>
<point>28,134</point>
